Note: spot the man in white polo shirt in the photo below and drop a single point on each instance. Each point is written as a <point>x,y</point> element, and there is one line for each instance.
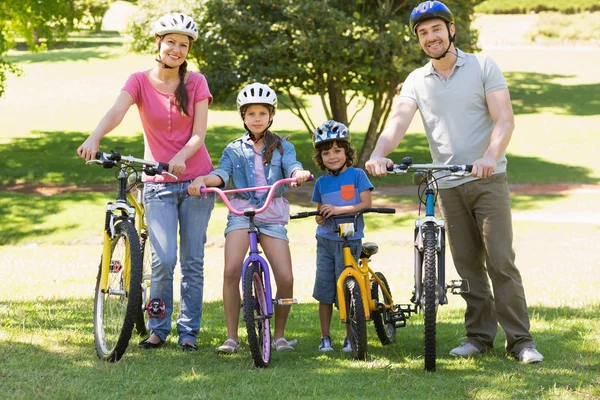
<point>465,106</point>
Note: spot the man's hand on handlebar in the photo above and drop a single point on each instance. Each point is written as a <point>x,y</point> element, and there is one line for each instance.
<point>377,166</point>
<point>88,149</point>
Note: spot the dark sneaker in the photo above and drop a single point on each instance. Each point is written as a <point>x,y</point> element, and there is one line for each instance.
<point>347,346</point>
<point>325,344</point>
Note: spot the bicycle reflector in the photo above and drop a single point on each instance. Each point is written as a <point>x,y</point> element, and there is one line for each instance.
<point>346,229</point>
<point>286,302</point>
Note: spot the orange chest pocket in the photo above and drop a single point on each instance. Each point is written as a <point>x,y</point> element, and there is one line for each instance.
<point>347,192</point>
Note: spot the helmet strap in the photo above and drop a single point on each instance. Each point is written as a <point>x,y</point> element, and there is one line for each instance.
<point>163,65</point>
<point>336,172</point>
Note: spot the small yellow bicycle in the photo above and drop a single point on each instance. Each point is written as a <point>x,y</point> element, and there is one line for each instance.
<point>125,268</point>
<point>363,295</point>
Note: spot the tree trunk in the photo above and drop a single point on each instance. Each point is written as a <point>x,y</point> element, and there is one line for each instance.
<point>381,108</point>
<point>337,101</point>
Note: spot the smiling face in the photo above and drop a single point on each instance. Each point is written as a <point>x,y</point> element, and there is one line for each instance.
<point>257,118</point>
<point>334,158</point>
<point>173,48</point>
<point>433,37</point>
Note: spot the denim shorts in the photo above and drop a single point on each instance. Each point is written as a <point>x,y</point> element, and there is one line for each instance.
<point>235,222</point>
<point>330,265</point>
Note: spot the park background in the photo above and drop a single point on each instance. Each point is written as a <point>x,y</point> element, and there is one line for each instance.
<point>52,208</point>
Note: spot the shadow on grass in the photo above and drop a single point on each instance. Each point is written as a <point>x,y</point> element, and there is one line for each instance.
<point>66,355</point>
<point>532,93</point>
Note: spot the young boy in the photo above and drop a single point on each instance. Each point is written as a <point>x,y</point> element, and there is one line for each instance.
<point>343,190</point>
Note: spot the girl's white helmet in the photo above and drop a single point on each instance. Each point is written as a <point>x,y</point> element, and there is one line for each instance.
<point>256,93</point>
<point>330,131</point>
<point>176,23</point>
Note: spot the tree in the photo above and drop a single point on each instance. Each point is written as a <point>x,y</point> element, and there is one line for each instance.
<point>5,44</point>
<point>91,12</point>
<point>349,53</point>
<point>34,20</point>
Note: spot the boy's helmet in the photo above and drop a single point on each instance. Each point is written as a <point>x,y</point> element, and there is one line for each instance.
<point>176,23</point>
<point>330,131</point>
<point>256,93</point>
<point>429,10</point>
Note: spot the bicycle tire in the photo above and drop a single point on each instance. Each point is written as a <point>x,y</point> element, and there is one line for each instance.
<point>115,311</point>
<point>429,299</point>
<point>386,331</point>
<point>141,320</point>
<point>257,321</point>
<point>356,322</point>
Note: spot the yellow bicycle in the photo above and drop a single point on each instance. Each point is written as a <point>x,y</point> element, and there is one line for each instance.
<point>363,295</point>
<point>125,268</point>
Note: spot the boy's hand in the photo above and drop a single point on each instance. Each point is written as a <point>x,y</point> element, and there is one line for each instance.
<point>319,219</point>
<point>327,210</point>
<point>301,175</point>
<point>194,188</point>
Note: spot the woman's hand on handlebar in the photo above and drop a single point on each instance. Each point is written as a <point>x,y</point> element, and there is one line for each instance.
<point>177,165</point>
<point>301,176</point>
<point>89,148</point>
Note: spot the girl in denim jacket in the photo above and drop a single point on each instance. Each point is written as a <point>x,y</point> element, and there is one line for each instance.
<point>258,158</point>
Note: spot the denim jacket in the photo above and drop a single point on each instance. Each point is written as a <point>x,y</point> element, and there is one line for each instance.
<point>237,163</point>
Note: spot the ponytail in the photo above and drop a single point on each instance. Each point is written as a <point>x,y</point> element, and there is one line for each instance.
<point>272,142</point>
<point>181,94</point>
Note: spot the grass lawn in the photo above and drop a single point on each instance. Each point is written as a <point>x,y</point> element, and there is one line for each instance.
<point>50,245</point>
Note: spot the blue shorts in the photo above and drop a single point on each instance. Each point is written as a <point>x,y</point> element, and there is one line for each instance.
<point>330,265</point>
<point>235,222</point>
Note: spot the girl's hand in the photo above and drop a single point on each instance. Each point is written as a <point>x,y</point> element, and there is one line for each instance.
<point>301,175</point>
<point>89,148</point>
<point>177,165</point>
<point>194,188</point>
<point>327,210</point>
<point>319,219</point>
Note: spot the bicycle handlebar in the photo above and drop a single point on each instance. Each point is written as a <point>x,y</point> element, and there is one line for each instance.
<point>150,168</point>
<point>379,210</point>
<point>271,192</point>
<point>407,164</point>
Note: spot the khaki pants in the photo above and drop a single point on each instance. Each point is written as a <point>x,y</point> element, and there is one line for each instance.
<point>479,225</point>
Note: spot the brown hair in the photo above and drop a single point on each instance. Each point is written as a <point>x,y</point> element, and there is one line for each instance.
<point>344,144</point>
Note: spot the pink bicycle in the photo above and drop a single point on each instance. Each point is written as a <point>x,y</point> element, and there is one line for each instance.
<point>257,299</point>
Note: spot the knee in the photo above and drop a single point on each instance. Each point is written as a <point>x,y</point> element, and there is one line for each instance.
<point>232,274</point>
<point>286,282</point>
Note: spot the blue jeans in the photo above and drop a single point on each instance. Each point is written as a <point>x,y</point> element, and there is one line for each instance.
<point>167,206</point>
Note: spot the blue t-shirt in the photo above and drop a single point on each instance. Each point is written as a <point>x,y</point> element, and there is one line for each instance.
<point>341,190</point>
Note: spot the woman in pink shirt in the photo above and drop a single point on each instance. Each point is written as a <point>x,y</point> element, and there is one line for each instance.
<point>173,107</point>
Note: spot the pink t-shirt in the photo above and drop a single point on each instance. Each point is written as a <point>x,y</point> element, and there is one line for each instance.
<point>166,130</point>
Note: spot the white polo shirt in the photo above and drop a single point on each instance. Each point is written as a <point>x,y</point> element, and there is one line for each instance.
<point>454,111</point>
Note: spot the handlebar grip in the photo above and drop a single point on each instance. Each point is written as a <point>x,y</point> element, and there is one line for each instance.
<point>304,214</point>
<point>310,178</point>
<point>384,210</point>
<point>469,167</point>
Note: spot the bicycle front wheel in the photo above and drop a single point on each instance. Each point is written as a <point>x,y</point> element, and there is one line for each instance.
<point>141,320</point>
<point>255,315</point>
<point>116,308</point>
<point>356,323</point>
<point>430,299</point>
<point>386,330</point>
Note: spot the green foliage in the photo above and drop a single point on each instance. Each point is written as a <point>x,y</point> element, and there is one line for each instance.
<point>346,53</point>
<point>92,12</point>
<point>557,26</point>
<point>524,7</point>
<point>5,44</point>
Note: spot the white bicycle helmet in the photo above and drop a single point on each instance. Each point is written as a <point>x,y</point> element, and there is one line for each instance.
<point>256,93</point>
<point>330,131</point>
<point>176,23</point>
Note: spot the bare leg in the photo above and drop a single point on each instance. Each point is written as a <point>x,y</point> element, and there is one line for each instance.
<point>325,313</point>
<point>280,260</point>
<point>236,246</point>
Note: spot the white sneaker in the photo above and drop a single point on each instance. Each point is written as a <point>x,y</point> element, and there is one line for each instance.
<point>465,350</point>
<point>529,355</point>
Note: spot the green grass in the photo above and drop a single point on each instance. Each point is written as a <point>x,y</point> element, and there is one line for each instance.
<point>520,7</point>
<point>570,28</point>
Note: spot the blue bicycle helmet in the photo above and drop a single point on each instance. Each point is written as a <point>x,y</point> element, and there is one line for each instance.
<point>429,10</point>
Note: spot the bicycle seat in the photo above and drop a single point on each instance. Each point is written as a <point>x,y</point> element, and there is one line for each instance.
<point>369,249</point>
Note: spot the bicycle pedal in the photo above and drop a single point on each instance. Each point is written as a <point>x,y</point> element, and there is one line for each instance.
<point>285,302</point>
<point>459,286</point>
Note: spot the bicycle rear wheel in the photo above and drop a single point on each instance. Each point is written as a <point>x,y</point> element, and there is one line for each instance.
<point>356,323</point>
<point>255,315</point>
<point>141,320</point>
<point>115,309</point>
<point>429,299</point>
<point>386,331</point>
